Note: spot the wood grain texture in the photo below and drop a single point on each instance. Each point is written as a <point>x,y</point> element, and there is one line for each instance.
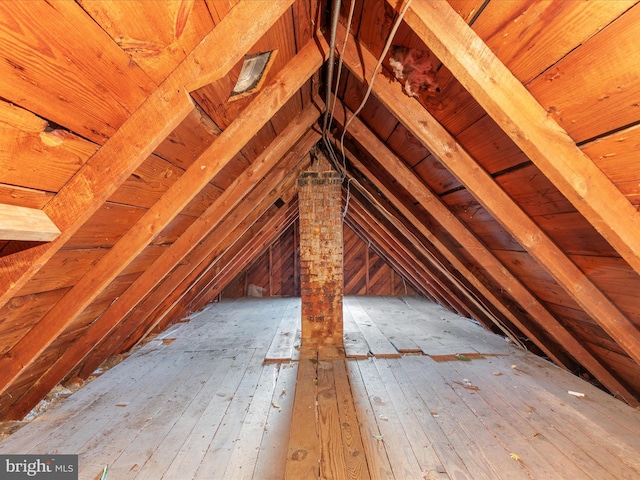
<point>616,155</point>
<point>35,155</point>
<point>27,224</point>
<point>156,35</point>
<point>604,70</point>
<point>195,278</point>
<point>167,105</point>
<point>524,118</point>
<point>448,152</point>
<point>163,265</point>
<point>71,72</point>
<point>138,237</point>
<point>524,35</point>
<point>303,453</point>
<point>172,408</point>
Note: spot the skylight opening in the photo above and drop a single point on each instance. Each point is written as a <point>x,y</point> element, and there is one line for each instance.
<point>253,73</point>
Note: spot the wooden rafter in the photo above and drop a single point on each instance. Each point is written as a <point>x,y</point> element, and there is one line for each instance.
<point>397,169</point>
<point>257,245</point>
<point>152,276</point>
<point>528,124</point>
<point>424,127</point>
<point>211,162</point>
<point>140,134</point>
<point>29,224</point>
<point>208,282</point>
<point>185,277</point>
<point>394,249</point>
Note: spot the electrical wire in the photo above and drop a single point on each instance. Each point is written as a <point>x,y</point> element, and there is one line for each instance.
<point>392,34</point>
<point>329,113</point>
<point>340,64</point>
<point>387,45</point>
<point>437,263</point>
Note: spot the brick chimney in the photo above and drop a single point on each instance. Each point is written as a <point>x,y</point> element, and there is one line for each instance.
<point>321,277</point>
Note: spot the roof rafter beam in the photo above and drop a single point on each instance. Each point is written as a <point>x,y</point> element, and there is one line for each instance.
<point>397,169</point>
<point>268,234</point>
<point>266,103</point>
<point>26,224</point>
<point>204,257</point>
<point>528,124</point>
<point>140,134</point>
<point>393,247</point>
<point>210,219</point>
<point>210,281</point>
<point>435,138</point>
<point>426,247</point>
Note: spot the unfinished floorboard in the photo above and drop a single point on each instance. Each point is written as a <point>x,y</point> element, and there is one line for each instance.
<point>467,435</point>
<point>272,456</point>
<point>355,345</point>
<point>355,459</point>
<point>169,446</point>
<point>448,333</point>
<point>375,450</point>
<point>200,402</point>
<point>303,454</point>
<point>387,314</point>
<point>500,392</point>
<point>389,418</point>
<point>378,343</point>
<point>282,345</point>
<point>332,458</point>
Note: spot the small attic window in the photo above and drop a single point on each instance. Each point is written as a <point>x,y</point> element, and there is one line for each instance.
<point>252,75</point>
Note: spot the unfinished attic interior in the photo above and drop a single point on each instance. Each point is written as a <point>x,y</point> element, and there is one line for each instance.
<point>330,239</point>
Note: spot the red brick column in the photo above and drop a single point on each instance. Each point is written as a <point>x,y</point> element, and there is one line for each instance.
<point>321,278</point>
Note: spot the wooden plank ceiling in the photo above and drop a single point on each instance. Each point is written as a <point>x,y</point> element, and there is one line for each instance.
<point>510,194</point>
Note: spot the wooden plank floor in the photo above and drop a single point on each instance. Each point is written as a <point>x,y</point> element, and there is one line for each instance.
<point>219,398</point>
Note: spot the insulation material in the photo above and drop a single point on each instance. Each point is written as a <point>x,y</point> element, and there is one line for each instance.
<point>417,68</point>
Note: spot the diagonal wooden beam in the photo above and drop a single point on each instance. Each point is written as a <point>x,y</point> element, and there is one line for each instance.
<point>252,249</point>
<point>139,135</point>
<point>286,191</point>
<point>398,170</point>
<point>528,124</point>
<point>393,248</point>
<point>363,230</point>
<point>473,303</point>
<point>210,163</point>
<point>186,275</point>
<point>221,266</point>
<point>426,129</point>
<point>152,276</point>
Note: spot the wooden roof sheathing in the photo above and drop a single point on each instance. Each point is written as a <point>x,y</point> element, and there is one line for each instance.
<point>510,195</point>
